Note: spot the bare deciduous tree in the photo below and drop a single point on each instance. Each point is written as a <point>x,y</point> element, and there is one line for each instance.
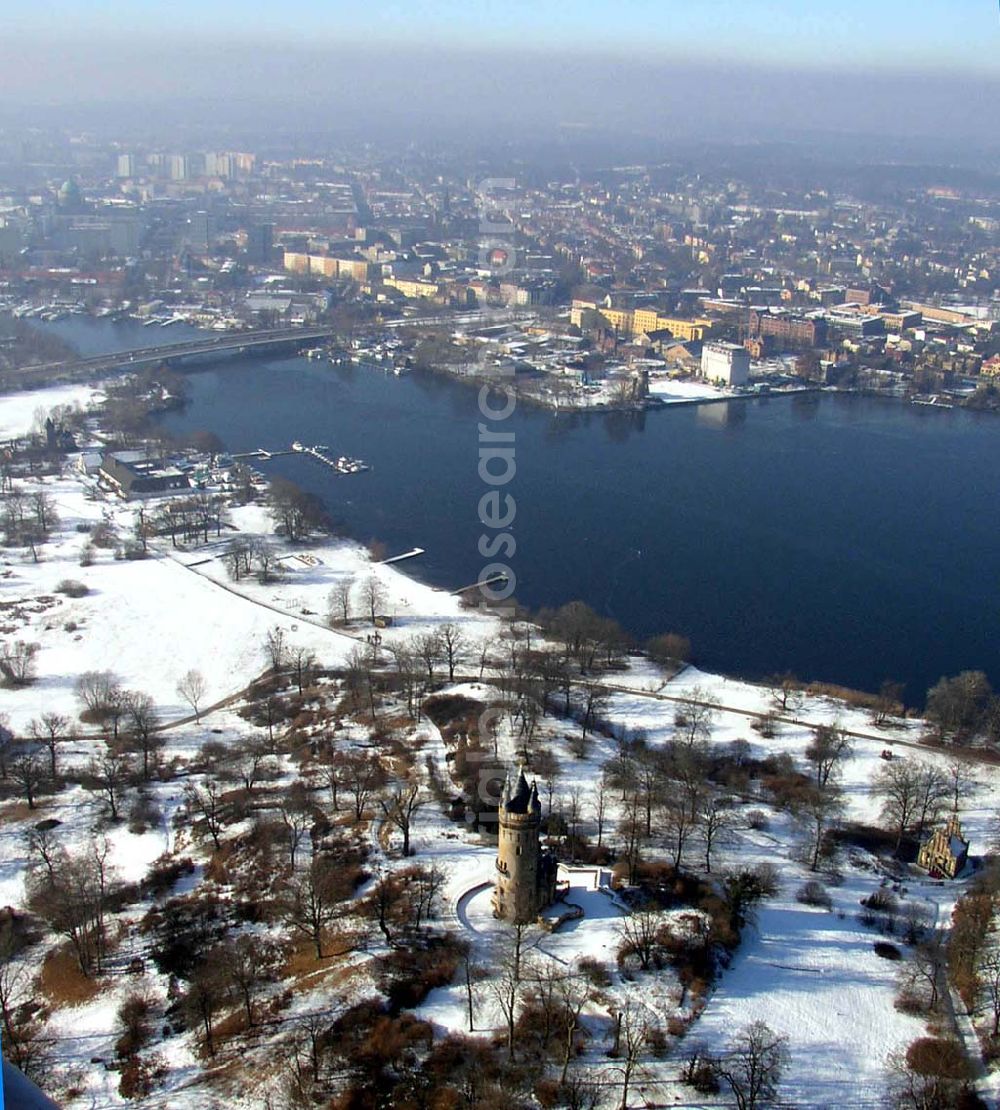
<point>296,813</point>
<point>889,702</point>
<point>17,662</point>
<point>828,750</point>
<point>266,560</point>
<point>373,595</point>
<point>453,642</point>
<point>42,506</point>
<point>594,701</point>
<point>239,557</point>
<point>339,600</point>
<point>400,807</point>
<point>192,687</point>
<point>679,816</point>
<point>97,690</point>
<point>632,830</point>
<point>693,722</point>
<point>817,811</point>
<point>246,962</point>
<point>303,664</point>
<point>600,805</point>
<point>716,821</point>
<point>786,691</point>
<point>51,729</point>
<point>250,761</point>
<point>205,801</point>
<point>27,769</point>
<point>206,993</point>
<point>295,513</point>
<point>360,679</point>
<point>960,775</point>
<point>21,1016</point>
<point>408,672</point>
<point>634,1023</point>
<point>142,722</point>
<point>361,775</point>
<point>429,647</point>
<point>921,976</point>
<point>109,774</point>
<point>311,899</point>
<point>7,744</point>
<point>639,935</point>
<point>72,894</point>
<point>911,793</point>
<point>989,973</point>
<point>275,648</point>
<point>753,1067</point>
<point>505,984</point>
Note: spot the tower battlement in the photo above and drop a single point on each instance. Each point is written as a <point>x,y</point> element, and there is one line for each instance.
<point>525,874</point>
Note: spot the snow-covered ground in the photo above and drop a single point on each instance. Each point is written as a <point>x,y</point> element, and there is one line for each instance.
<point>17,410</point>
<point>807,972</point>
<point>148,621</point>
<point>672,391</point>
<point>812,975</point>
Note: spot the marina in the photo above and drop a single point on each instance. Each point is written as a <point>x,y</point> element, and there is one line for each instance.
<point>342,464</point>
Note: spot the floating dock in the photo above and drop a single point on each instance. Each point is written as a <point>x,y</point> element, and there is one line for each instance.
<point>342,464</point>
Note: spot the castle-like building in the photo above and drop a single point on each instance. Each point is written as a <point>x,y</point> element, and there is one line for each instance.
<point>945,851</point>
<point>526,875</point>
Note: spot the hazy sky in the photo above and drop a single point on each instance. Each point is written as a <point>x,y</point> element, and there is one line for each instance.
<point>913,66</point>
<point>946,34</point>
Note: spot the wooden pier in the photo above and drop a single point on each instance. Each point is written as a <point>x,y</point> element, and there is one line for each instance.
<point>261,453</point>
<point>406,555</point>
<point>493,581</point>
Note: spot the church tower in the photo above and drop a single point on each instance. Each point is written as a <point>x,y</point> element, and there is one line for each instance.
<point>525,875</point>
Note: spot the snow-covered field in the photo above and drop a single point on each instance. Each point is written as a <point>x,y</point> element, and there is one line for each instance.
<point>17,410</point>
<point>807,972</point>
<point>811,975</point>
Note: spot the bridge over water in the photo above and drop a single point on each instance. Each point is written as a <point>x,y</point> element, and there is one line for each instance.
<point>229,343</point>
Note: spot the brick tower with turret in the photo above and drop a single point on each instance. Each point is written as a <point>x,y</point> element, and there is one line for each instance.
<point>525,874</point>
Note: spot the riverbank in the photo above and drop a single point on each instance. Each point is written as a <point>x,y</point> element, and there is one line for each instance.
<point>219,628</point>
<point>788,536</point>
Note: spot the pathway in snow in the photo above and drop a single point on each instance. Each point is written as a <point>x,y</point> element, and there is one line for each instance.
<point>193,568</point>
<point>885,738</point>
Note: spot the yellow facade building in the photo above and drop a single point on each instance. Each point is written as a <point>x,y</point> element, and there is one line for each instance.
<point>630,322</point>
<point>413,288</point>
<point>322,265</point>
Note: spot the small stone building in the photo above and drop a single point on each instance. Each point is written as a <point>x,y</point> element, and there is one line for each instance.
<point>945,851</point>
<point>525,874</point>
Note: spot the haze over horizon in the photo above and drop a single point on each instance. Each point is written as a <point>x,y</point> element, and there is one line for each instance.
<point>639,67</point>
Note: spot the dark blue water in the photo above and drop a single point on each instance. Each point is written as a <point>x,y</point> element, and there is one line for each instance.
<point>844,538</point>
<point>105,337</point>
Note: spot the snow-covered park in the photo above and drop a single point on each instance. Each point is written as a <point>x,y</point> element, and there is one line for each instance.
<point>810,972</point>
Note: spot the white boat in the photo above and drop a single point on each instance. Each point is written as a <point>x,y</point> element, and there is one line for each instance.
<point>296,446</point>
